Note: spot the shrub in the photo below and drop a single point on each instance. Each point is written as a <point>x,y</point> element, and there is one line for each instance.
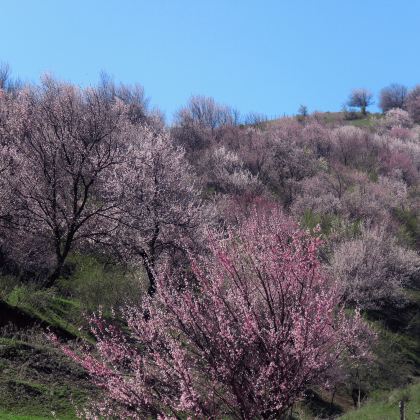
<point>373,269</point>
<point>397,118</point>
<point>257,325</point>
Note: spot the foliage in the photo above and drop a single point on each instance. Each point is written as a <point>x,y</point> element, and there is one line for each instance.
<point>410,228</point>
<point>97,282</point>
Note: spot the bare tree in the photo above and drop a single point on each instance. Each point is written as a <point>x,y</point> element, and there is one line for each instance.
<point>133,96</point>
<point>256,119</point>
<point>4,75</point>
<point>201,123</point>
<point>206,112</point>
<point>360,98</point>
<point>302,112</point>
<point>392,96</point>
<point>7,83</point>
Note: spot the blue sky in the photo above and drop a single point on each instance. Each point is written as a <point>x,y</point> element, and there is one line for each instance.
<point>261,55</point>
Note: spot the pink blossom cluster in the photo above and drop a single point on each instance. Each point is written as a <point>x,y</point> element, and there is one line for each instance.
<point>255,324</point>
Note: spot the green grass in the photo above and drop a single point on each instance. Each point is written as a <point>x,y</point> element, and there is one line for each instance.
<point>330,223</point>
<point>49,308</point>
<point>369,121</point>
<point>9,416</point>
<point>36,379</point>
<point>360,120</point>
<point>385,406</point>
<point>95,283</point>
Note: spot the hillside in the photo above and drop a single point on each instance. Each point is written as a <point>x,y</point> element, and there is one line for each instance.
<point>267,269</point>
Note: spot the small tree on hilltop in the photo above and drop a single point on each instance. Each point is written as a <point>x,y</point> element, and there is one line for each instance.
<point>302,112</point>
<point>258,324</point>
<point>360,98</point>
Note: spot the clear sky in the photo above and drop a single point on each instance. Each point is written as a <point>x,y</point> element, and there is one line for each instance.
<point>256,55</point>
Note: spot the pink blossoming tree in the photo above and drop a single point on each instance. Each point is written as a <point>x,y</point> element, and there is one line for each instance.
<point>256,324</point>
<point>159,207</point>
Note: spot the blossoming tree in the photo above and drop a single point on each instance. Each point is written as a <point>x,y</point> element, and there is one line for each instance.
<point>245,336</point>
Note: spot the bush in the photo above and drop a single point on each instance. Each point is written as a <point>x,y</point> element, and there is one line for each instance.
<point>257,325</point>
<point>373,269</point>
<point>96,283</point>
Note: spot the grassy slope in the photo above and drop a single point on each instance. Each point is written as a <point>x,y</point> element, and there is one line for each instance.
<point>40,391</point>
<point>338,118</point>
<point>360,121</point>
<point>384,406</point>
<point>35,378</point>
<point>7,416</point>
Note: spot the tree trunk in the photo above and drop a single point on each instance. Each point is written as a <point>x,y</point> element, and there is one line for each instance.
<point>152,280</point>
<point>61,255</point>
<point>402,410</point>
<point>333,396</point>
<point>55,274</point>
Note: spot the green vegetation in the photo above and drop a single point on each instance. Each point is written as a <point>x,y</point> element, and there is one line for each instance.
<point>47,306</point>
<point>349,118</point>
<point>35,378</point>
<point>330,223</point>
<point>9,416</point>
<point>369,121</point>
<point>98,282</point>
<point>410,226</point>
<point>385,405</point>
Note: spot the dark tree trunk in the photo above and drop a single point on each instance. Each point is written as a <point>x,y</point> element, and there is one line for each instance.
<point>152,280</point>
<point>55,275</point>
<point>61,256</point>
